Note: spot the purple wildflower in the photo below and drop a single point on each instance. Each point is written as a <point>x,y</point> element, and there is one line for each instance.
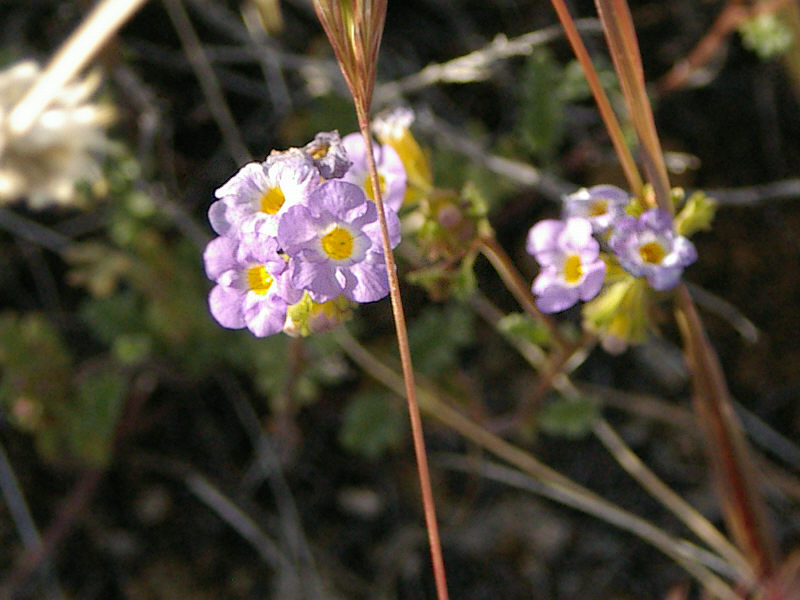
<point>601,205</point>
<point>649,247</point>
<point>391,174</point>
<point>571,269</point>
<point>252,201</point>
<point>328,154</point>
<point>253,287</point>
<point>334,246</point>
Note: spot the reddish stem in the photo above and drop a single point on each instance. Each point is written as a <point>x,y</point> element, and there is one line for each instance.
<point>736,477</point>
<point>734,13</point>
<point>428,504</point>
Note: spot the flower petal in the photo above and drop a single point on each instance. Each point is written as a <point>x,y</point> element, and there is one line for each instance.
<point>264,314</point>
<point>220,256</point>
<point>593,280</point>
<point>542,242</point>
<point>226,306</point>
<point>664,278</point>
<point>556,298</point>
<point>317,278</point>
<point>371,282</point>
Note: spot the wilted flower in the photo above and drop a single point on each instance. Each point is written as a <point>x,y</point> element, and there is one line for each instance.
<point>393,128</point>
<point>649,247</point>
<point>44,163</point>
<point>571,267</point>
<point>252,201</point>
<point>393,123</point>
<point>391,174</point>
<point>253,287</point>
<point>601,205</point>
<point>620,314</point>
<point>334,245</point>
<point>328,154</point>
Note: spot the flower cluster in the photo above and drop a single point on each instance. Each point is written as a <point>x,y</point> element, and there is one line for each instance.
<point>574,268</point>
<point>299,240</point>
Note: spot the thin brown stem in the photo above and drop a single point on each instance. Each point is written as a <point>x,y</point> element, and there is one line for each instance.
<point>732,15</point>
<point>624,49</point>
<point>556,486</point>
<point>736,478</point>
<point>408,369</point>
<point>628,460</point>
<point>355,28</point>
<point>555,367</point>
<point>601,99</point>
<point>70,513</point>
<point>520,289</point>
<point>553,377</point>
<point>215,98</point>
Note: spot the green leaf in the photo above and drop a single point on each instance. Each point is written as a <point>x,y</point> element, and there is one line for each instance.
<point>437,335</point>
<point>92,420</point>
<point>696,215</point>
<point>524,327</point>
<point>766,35</point>
<point>464,282</point>
<point>133,348</point>
<point>36,370</point>
<point>266,358</point>
<point>569,417</point>
<point>70,417</point>
<point>113,317</point>
<point>542,115</point>
<point>373,423</point>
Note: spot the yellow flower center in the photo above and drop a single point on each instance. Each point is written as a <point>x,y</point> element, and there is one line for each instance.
<point>651,252</point>
<point>597,208</point>
<point>257,279</point>
<point>337,243</point>
<point>271,201</point>
<point>572,268</point>
<point>366,185</point>
<point>318,152</point>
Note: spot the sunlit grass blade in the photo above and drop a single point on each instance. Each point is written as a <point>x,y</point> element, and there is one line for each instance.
<point>624,50</point>
<point>355,28</point>
<point>610,120</point>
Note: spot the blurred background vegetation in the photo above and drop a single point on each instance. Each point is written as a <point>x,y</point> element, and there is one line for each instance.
<point>161,456</point>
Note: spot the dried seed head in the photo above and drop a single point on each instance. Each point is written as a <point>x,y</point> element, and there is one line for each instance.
<point>354,28</point>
